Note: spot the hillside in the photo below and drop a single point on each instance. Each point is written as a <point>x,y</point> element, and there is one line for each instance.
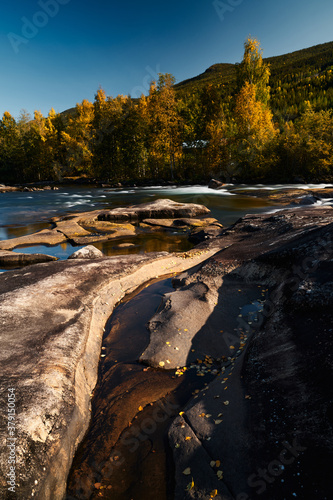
<point>303,75</point>
<point>295,77</point>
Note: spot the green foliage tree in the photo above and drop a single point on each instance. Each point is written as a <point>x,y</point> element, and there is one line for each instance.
<point>10,149</point>
<point>306,147</point>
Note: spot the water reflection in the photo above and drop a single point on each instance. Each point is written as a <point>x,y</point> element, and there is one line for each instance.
<point>17,231</point>
<point>145,243</point>
<point>142,243</point>
<point>26,213</point>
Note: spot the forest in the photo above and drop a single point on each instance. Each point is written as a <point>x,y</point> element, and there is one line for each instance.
<point>263,120</point>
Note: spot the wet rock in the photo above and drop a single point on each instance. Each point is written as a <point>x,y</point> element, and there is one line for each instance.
<point>95,238</point>
<point>183,314</point>
<point>88,252</point>
<point>214,184</point>
<point>45,237</point>
<point>278,196</point>
<point>105,227</point>
<point>322,194</point>
<point>272,396</point>
<point>54,315</point>
<point>182,223</point>
<point>158,209</point>
<point>14,259</point>
<point>71,229</point>
<point>307,200</point>
<point>8,189</point>
<point>199,235</point>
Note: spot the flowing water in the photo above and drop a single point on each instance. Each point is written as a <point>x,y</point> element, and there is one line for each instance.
<point>23,213</point>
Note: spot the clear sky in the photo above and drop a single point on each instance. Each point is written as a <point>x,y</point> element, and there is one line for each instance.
<point>55,53</point>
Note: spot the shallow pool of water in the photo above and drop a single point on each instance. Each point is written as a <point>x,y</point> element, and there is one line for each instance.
<point>23,213</point>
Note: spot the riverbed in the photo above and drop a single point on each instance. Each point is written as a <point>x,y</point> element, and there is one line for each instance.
<point>23,213</point>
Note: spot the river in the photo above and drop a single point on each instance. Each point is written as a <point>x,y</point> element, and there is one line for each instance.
<point>24,213</point>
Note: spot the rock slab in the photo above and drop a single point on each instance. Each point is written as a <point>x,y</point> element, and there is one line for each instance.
<point>52,318</point>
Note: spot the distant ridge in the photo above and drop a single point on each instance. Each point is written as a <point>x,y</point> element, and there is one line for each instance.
<point>320,56</point>
<point>292,72</point>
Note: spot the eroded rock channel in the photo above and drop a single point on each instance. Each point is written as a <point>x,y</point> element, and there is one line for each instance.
<point>253,428</point>
<point>249,316</point>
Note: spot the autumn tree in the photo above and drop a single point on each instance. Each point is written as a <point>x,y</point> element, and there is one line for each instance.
<point>107,124</point>
<point>77,139</point>
<point>254,71</point>
<point>164,142</point>
<point>133,128</point>
<point>306,146</point>
<point>253,119</point>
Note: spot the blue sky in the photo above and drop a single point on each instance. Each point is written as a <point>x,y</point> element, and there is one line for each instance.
<point>56,53</point>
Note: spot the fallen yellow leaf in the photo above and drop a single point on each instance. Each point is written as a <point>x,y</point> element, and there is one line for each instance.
<point>190,485</point>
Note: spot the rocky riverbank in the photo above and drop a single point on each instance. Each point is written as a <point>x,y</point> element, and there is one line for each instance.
<point>252,312</point>
<point>111,225</point>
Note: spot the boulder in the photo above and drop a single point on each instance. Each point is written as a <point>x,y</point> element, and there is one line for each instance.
<point>88,252</point>
<point>214,184</point>
<point>307,200</point>
<point>158,209</point>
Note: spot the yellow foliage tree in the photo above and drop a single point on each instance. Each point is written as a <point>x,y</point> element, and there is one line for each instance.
<point>77,139</point>
<point>164,143</point>
<point>253,119</point>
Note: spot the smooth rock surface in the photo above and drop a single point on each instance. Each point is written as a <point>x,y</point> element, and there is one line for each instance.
<point>183,222</point>
<point>53,317</point>
<point>45,237</point>
<point>11,259</point>
<point>88,252</point>
<point>158,209</point>
<point>269,408</point>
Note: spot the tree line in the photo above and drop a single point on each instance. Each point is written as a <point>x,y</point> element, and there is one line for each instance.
<point>179,136</point>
